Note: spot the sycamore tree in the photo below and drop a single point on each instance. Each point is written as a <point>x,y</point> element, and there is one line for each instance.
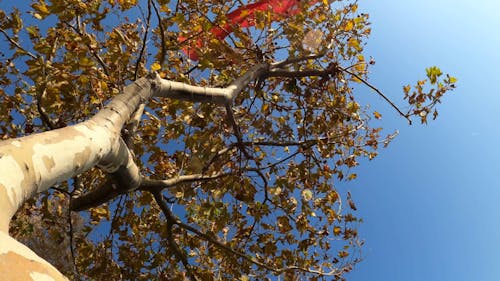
<point>172,140</point>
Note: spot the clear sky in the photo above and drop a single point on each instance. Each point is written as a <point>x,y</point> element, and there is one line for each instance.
<point>430,201</point>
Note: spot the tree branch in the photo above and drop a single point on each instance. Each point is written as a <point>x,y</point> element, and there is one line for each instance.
<point>72,240</point>
<point>16,44</point>
<point>162,35</point>
<point>43,115</point>
<point>92,50</point>
<point>124,176</point>
<point>219,96</point>
<point>151,185</point>
<point>228,249</point>
<point>217,155</point>
<point>143,48</point>
<point>295,60</point>
<point>378,92</point>
<point>171,220</point>
<point>298,74</point>
<point>278,72</point>
<point>96,197</point>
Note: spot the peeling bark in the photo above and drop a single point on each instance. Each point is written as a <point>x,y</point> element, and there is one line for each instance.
<point>19,263</point>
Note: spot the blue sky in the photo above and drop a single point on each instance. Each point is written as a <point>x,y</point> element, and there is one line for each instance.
<point>430,201</point>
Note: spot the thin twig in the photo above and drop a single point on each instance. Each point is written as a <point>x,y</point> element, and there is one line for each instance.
<point>171,220</point>
<point>92,50</point>
<point>151,185</point>
<point>17,44</point>
<point>144,39</point>
<point>60,190</point>
<point>43,115</point>
<point>216,156</point>
<point>253,260</point>
<point>163,50</point>
<point>236,130</point>
<point>279,162</point>
<point>41,93</point>
<point>71,240</point>
<point>378,92</point>
<point>295,60</point>
<point>298,74</point>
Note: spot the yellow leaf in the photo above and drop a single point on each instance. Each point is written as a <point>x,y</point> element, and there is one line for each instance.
<point>360,67</point>
<point>265,106</point>
<point>407,89</point>
<point>164,8</point>
<point>84,79</point>
<point>349,26</point>
<point>98,213</point>
<point>354,43</point>
<point>343,254</point>
<point>155,66</point>
<point>355,79</point>
<point>354,8</point>
<point>104,86</point>
<point>86,62</point>
<point>337,230</point>
<point>377,115</point>
<point>41,8</point>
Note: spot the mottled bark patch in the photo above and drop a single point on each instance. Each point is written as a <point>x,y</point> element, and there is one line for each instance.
<point>56,136</point>
<point>13,176</point>
<point>49,163</point>
<point>15,267</point>
<point>6,204</point>
<point>81,158</point>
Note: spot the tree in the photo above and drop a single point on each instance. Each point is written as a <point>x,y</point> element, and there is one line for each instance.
<point>233,178</point>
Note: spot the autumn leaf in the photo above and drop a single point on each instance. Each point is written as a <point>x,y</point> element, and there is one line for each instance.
<point>41,9</point>
<point>433,73</point>
<point>155,66</point>
<point>349,25</point>
<point>343,254</point>
<point>337,230</point>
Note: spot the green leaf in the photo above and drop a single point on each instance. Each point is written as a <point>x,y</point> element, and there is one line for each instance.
<point>433,73</point>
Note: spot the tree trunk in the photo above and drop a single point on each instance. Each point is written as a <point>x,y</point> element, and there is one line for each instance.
<point>34,163</point>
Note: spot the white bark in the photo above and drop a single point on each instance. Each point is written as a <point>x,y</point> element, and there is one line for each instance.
<point>219,96</point>
<point>34,163</point>
<point>19,263</point>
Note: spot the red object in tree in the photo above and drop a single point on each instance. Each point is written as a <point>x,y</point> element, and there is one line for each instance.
<point>245,17</point>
